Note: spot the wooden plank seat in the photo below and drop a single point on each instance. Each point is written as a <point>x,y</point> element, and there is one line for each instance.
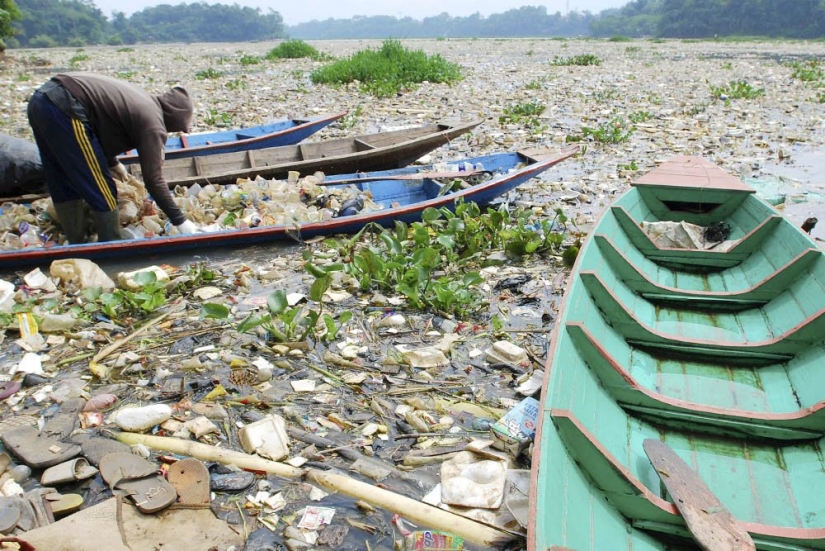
<point>694,259</point>
<point>725,399</point>
<point>772,333</point>
<point>761,277</point>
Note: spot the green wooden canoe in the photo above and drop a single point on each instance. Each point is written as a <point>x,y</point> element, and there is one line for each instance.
<point>717,353</point>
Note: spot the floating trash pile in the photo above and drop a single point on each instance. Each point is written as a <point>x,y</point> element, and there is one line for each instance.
<point>247,204</point>
<point>261,202</point>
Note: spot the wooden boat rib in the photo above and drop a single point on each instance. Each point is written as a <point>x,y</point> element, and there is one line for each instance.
<point>401,199</point>
<point>749,240</point>
<point>759,278</point>
<point>712,393</point>
<point>736,392</point>
<point>773,332</point>
<point>364,153</point>
<point>274,134</point>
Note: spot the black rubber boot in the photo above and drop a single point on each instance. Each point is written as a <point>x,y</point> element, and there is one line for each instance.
<point>107,225</point>
<point>72,218</point>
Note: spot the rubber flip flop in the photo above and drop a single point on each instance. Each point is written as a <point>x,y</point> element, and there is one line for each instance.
<point>66,420</point>
<point>9,516</point>
<point>7,388</point>
<point>190,478</point>
<point>65,504</point>
<point>37,450</point>
<point>95,448</point>
<point>70,471</point>
<point>139,479</point>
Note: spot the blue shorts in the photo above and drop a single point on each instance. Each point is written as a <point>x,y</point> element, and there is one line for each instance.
<point>74,164</point>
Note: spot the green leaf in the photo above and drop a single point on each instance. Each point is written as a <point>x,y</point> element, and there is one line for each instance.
<point>276,302</point>
<point>446,240</point>
<point>392,244</point>
<point>252,321</point>
<point>430,215</point>
<point>314,270</point>
<point>421,236</point>
<point>319,287</point>
<point>213,310</point>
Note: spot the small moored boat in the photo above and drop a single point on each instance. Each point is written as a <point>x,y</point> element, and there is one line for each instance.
<point>394,195</point>
<point>364,153</point>
<point>273,134</point>
<point>712,351</point>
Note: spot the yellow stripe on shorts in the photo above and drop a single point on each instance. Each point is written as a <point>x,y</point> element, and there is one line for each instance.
<point>94,166</point>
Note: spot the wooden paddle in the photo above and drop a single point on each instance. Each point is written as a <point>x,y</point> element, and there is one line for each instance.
<point>413,176</point>
<point>712,526</point>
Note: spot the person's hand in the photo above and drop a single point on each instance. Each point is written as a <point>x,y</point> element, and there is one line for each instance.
<point>119,172</point>
<point>188,227</point>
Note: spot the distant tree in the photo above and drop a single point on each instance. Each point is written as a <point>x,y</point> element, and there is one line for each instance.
<point>64,22</point>
<point>9,13</point>
<point>638,18</point>
<point>525,21</point>
<point>201,22</point>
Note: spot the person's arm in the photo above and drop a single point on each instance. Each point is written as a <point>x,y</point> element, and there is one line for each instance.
<point>151,154</point>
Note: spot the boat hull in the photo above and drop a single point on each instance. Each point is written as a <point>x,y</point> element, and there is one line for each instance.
<point>364,153</point>
<point>274,134</point>
<point>697,348</point>
<point>402,197</point>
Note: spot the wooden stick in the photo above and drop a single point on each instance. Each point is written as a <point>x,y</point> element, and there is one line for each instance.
<point>414,176</point>
<point>120,342</point>
<point>205,452</point>
<point>412,509</point>
<point>711,524</point>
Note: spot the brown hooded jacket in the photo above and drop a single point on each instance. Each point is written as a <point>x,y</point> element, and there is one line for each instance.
<point>126,117</point>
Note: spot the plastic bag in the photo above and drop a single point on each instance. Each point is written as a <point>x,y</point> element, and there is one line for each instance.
<point>21,171</point>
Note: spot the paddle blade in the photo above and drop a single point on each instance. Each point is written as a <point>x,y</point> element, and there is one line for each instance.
<point>710,523</point>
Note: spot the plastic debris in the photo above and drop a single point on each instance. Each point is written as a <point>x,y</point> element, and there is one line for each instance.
<point>515,430</point>
<point>139,419</point>
<point>266,437</point>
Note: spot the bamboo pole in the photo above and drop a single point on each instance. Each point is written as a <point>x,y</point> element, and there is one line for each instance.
<point>412,509</point>
<point>206,452</point>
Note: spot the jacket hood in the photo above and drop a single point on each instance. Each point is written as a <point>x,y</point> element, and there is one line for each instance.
<point>178,109</point>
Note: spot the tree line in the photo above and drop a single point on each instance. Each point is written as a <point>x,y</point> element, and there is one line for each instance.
<point>526,21</point>
<point>45,23</point>
<point>801,19</point>
<point>48,23</point>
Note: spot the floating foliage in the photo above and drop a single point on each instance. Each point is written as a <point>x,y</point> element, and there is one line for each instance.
<point>581,59</point>
<point>389,70</point>
<point>736,89</point>
<point>294,49</point>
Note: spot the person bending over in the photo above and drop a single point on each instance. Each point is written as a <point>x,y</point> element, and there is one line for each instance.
<point>81,122</point>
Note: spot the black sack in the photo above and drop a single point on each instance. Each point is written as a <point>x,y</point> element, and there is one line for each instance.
<point>21,171</point>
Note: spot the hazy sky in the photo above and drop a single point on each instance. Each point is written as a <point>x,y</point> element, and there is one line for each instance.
<point>300,11</point>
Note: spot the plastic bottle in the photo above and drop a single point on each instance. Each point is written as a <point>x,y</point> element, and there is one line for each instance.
<point>29,235</point>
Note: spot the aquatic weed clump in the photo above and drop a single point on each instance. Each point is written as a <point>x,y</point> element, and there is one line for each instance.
<point>294,49</point>
<point>581,59</point>
<point>389,70</point>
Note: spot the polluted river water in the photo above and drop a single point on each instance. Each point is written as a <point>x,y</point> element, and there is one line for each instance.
<point>660,93</point>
